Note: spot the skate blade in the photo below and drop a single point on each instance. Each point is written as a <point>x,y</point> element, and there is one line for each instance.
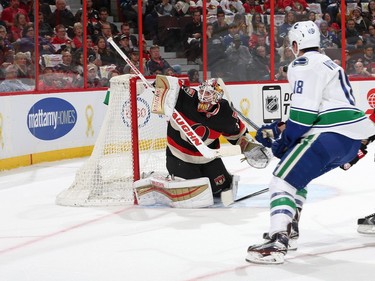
<point>366,229</point>
<point>273,258</point>
<point>292,244</point>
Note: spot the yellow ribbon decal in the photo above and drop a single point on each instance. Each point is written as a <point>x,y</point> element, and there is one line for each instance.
<point>1,131</point>
<point>245,107</point>
<point>89,117</point>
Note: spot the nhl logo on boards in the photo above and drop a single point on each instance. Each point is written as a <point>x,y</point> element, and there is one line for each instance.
<point>272,103</point>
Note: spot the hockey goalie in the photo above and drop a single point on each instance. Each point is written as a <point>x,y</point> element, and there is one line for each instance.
<point>193,176</point>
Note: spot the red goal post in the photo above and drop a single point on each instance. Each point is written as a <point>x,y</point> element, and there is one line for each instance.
<point>131,143</point>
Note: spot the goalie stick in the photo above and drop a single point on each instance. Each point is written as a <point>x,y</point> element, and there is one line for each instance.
<point>227,197</point>
<point>176,116</point>
<point>227,96</point>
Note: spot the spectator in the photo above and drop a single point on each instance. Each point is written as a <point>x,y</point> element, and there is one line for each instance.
<point>228,39</point>
<point>220,27</point>
<point>92,76</point>
<point>8,15</point>
<point>11,83</point>
<point>239,58</point>
<point>281,73</point>
<point>27,42</point>
<point>92,13</point>
<point>278,7</point>
<point>156,64</point>
<point>370,14</point>
<point>6,49</point>
<point>212,7</point>
<point>49,81</point>
<point>328,39</point>
<point>184,8</point>
<point>260,31</point>
<point>45,30</point>
<point>129,9</point>
<point>134,58</point>
<point>61,41</point>
<point>62,16</point>
<point>193,75</point>
<point>66,68</point>
<point>125,30</point>
<point>289,20</point>
<point>361,23</point>
<point>106,31</point>
<point>298,6</point>
<point>351,35</point>
<point>22,62</point>
<point>260,67</point>
<point>367,58</point>
<point>370,36</point>
<point>286,56</point>
<point>255,20</point>
<point>359,71</point>
<point>170,72</point>
<point>232,7</point>
<point>78,36</point>
<point>125,44</point>
<point>242,27</point>
<point>192,39</point>
<point>251,7</point>
<point>20,23</point>
<point>312,16</point>
<point>107,56</point>
<point>332,24</point>
<point>104,23</point>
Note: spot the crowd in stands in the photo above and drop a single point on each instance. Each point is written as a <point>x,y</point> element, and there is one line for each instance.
<point>238,39</point>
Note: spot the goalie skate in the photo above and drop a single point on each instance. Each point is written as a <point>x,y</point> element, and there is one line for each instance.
<point>270,252</point>
<point>366,225</point>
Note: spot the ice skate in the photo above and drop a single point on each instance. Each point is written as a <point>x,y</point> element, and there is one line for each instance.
<point>293,237</point>
<point>366,225</point>
<point>270,252</point>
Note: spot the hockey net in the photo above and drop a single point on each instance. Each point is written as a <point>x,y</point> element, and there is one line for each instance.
<point>131,142</point>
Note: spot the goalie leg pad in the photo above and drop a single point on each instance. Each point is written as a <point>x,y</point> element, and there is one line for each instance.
<point>176,193</point>
<point>230,195</point>
<point>167,89</point>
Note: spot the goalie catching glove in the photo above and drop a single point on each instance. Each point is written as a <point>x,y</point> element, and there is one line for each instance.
<point>255,154</point>
<point>166,93</point>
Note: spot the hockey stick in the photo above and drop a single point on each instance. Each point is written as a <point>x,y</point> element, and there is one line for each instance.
<point>176,116</point>
<point>227,96</point>
<point>227,197</point>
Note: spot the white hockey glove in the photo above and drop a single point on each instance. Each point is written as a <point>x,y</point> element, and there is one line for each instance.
<point>255,154</point>
<point>176,192</point>
<point>166,94</point>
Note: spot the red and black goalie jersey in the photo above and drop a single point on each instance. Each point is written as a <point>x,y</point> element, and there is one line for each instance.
<point>220,120</point>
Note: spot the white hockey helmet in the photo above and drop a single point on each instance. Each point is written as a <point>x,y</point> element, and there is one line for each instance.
<point>306,34</point>
<point>210,92</point>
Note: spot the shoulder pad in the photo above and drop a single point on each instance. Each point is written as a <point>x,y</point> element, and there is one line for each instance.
<point>189,91</point>
<point>300,61</point>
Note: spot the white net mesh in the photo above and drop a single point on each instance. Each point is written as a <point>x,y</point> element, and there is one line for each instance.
<point>106,178</point>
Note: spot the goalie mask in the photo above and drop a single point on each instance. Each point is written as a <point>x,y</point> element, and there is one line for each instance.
<point>210,92</point>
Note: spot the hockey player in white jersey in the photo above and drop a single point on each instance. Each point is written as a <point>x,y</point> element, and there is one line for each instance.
<point>324,130</point>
